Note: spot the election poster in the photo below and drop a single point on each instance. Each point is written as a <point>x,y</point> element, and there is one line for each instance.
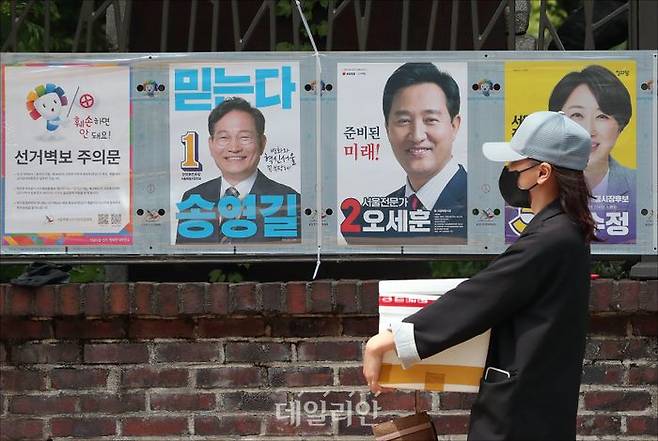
<point>402,153</point>
<point>600,96</point>
<point>66,155</point>
<point>235,153</point>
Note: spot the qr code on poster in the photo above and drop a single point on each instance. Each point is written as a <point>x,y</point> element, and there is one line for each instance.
<point>115,218</point>
<point>103,218</point>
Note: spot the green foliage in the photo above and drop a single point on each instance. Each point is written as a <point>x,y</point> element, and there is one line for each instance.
<point>64,15</point>
<point>8,272</point>
<point>611,269</point>
<point>231,275</point>
<point>87,274</point>
<point>315,12</point>
<point>556,10</point>
<point>450,268</point>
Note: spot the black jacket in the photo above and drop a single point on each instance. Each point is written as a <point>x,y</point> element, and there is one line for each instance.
<point>534,297</point>
<point>210,191</point>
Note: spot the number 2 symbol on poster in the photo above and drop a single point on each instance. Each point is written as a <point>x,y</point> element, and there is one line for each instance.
<point>190,141</point>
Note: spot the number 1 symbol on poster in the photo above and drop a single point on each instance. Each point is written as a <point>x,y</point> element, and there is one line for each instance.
<point>190,141</point>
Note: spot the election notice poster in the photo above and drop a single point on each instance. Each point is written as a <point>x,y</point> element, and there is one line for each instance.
<point>235,153</point>
<point>401,153</point>
<point>66,155</point>
<point>600,96</point>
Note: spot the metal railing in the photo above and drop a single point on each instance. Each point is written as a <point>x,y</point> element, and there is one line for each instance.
<point>504,21</point>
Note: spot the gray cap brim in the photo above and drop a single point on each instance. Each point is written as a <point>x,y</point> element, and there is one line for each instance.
<point>500,152</point>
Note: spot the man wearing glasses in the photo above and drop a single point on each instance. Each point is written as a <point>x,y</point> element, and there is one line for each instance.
<point>237,140</point>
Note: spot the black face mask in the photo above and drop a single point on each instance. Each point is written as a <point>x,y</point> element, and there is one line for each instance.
<point>509,188</point>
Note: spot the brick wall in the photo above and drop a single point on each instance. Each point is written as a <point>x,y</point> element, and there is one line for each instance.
<point>212,361</point>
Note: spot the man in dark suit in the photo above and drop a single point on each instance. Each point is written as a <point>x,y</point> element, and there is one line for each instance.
<point>421,111</point>
<point>243,205</point>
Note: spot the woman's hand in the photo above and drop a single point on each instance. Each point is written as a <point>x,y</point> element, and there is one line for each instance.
<point>372,359</point>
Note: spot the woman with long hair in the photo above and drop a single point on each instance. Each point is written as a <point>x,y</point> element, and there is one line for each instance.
<point>534,296</point>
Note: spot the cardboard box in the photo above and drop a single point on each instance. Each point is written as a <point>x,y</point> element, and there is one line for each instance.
<point>457,369</point>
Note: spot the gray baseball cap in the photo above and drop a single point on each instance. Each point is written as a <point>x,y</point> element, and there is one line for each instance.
<point>545,136</point>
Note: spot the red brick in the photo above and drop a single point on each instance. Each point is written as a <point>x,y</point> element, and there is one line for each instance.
<point>147,377</point>
<point>43,405</point>
<point>218,298</point>
<point>321,296</point>
<point>166,299</point>
<point>394,400</point>
<point>601,295</point>
<point>351,376</point>
<point>229,377</point>
<point>227,425</point>
<point>143,292</point>
<point>119,299</point>
<point>251,401</point>
<point>300,376</point>
<point>450,424</point>
<point>197,401</point>
<point>155,426</point>
<point>456,400</point>
<point>4,293</point>
<point>272,296</point>
<point>642,425</point>
<point>89,329</point>
<point>3,356</point>
<point>274,426</point>
<point>329,350</point>
<point>305,326</point>
<point>94,299</point>
<point>608,325</point>
<point>257,352</point>
<point>648,299</point>
<point>69,299</point>
<point>45,304</point>
<point>21,429</point>
<point>187,352</point>
<point>424,401</point>
<point>41,353</point>
<point>20,329</point>
<point>645,325</point>
<point>19,300</point>
<point>296,297</point>
<point>112,404</point>
<point>82,427</point>
<point>617,400</point>
<point>369,292</point>
<point>620,349</point>
<point>598,425</point>
<point>232,327</point>
<point>160,328</point>
<point>360,326</point>
<point>627,295</point>
<point>360,425</point>
<point>21,380</point>
<point>346,297</point>
<point>243,298</point>
<point>71,378</point>
<point>602,374</point>
<point>193,298</point>
<point>116,353</point>
<point>643,375</point>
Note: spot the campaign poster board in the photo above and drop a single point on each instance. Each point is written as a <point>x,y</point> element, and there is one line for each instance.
<point>266,208</point>
<point>66,155</point>
<point>374,157</point>
<point>600,95</point>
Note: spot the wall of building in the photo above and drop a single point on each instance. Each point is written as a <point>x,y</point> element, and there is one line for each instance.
<point>200,361</point>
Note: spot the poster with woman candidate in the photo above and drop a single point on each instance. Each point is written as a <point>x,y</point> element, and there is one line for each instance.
<point>235,153</point>
<point>600,96</point>
<point>66,155</point>
<point>401,153</point>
